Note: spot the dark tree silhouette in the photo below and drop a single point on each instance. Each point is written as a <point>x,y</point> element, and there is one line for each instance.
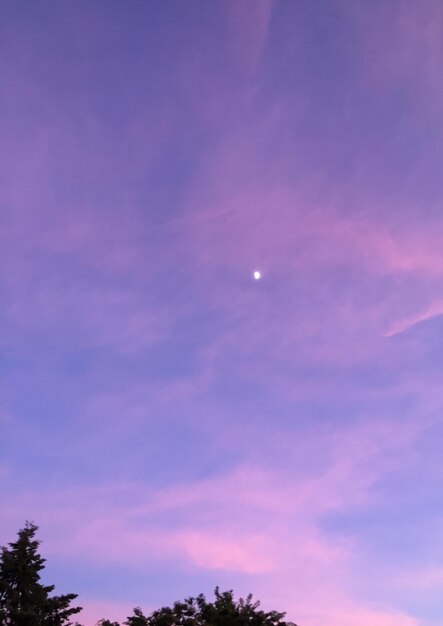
<point>24,601</point>
<point>138,619</point>
<point>224,611</point>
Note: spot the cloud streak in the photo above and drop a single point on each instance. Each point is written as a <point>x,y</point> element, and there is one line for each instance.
<point>164,416</point>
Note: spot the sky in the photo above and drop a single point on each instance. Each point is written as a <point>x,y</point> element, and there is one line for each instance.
<point>170,423</point>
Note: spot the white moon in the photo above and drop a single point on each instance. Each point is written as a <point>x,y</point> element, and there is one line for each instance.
<point>257,275</point>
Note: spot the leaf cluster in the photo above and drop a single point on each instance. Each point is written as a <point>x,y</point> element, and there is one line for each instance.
<point>197,611</point>
<point>25,601</point>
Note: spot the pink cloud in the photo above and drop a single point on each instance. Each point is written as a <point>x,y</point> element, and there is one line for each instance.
<point>238,223</point>
<point>341,273</point>
<point>252,554</point>
<point>278,229</point>
<point>431,312</point>
<point>255,521</point>
<point>337,615</point>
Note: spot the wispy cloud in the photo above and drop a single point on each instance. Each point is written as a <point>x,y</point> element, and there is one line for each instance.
<point>252,521</point>
<point>160,410</point>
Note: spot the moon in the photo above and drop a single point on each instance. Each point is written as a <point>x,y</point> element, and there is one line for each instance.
<point>257,275</point>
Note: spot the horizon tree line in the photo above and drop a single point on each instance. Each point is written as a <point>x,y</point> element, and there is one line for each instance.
<point>25,601</point>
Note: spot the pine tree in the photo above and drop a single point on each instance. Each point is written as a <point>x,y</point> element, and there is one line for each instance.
<point>24,601</point>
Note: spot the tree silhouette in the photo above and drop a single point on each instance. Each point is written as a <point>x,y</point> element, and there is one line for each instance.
<point>224,611</point>
<point>24,601</point>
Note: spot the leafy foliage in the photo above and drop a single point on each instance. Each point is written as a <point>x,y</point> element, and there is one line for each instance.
<point>224,611</point>
<point>24,601</point>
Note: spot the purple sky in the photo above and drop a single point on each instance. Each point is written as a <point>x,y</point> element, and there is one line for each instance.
<point>169,422</point>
